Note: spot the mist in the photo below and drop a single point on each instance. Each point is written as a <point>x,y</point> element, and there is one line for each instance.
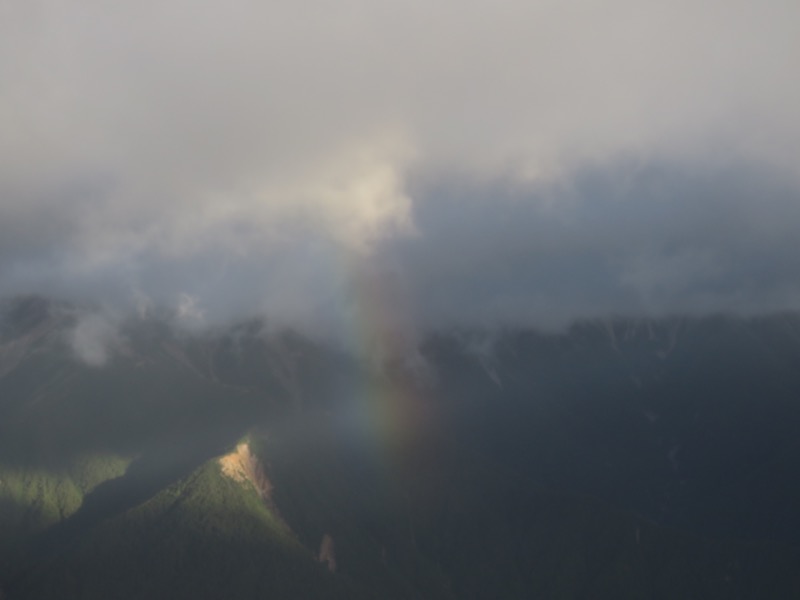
<point>411,167</point>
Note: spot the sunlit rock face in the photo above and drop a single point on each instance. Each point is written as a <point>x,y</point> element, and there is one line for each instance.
<point>243,466</point>
<point>327,552</point>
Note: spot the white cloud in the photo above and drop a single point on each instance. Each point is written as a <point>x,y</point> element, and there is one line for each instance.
<point>94,338</point>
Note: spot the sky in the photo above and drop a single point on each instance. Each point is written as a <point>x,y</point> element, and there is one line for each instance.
<point>428,164</point>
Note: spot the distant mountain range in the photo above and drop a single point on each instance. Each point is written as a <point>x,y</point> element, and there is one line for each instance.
<point>627,458</point>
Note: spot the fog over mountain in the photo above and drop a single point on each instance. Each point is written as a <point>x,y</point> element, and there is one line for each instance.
<point>371,299</point>
<point>462,163</point>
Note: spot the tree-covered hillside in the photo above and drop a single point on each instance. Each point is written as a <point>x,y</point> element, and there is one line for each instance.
<point>620,459</point>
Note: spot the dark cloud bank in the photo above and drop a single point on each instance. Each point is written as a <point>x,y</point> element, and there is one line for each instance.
<point>625,240</point>
<point>650,239</point>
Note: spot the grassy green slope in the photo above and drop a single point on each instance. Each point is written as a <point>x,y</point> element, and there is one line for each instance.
<point>444,516</point>
<point>457,526</point>
<point>33,499</point>
<point>204,537</point>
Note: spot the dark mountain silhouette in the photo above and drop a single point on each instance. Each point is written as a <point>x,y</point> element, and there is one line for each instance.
<point>628,458</point>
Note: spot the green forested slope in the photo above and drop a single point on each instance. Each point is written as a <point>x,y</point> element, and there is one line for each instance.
<point>203,537</point>
<point>463,529</point>
<point>516,472</point>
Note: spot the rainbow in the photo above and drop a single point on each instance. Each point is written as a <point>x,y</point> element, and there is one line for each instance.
<point>393,409</point>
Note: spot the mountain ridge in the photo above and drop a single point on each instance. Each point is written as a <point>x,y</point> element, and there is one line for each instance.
<point>450,476</point>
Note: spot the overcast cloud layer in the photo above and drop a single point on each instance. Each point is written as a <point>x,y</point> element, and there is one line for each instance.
<point>457,162</point>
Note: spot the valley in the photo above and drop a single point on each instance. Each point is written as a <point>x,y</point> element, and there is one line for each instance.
<point>618,459</point>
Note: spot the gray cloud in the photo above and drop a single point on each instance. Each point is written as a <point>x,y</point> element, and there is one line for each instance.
<point>480,161</point>
<point>629,239</point>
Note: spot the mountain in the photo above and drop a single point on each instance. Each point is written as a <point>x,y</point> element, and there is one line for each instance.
<point>689,422</point>
<point>628,458</point>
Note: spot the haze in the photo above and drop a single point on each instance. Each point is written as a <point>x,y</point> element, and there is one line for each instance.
<point>458,163</point>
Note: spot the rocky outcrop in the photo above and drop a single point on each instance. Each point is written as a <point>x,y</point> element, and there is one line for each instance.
<point>243,466</point>
<point>327,552</point>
